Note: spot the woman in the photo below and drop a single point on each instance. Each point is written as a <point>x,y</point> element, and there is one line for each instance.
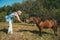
<point>9,18</point>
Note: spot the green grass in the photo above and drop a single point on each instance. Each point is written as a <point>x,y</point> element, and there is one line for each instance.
<point>26,32</point>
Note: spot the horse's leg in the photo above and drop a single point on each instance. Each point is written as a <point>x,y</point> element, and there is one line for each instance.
<point>55,30</point>
<point>40,29</point>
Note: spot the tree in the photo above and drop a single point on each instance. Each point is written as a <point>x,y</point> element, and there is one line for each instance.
<point>16,6</point>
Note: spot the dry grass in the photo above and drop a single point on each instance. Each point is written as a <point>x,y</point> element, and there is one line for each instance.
<point>26,32</point>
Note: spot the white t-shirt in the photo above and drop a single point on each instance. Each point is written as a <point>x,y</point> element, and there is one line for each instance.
<point>14,14</point>
<point>11,16</point>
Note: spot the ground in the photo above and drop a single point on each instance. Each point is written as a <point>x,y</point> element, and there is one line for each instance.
<point>26,32</point>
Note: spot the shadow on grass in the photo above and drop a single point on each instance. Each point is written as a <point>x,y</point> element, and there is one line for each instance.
<point>35,32</point>
<point>4,30</point>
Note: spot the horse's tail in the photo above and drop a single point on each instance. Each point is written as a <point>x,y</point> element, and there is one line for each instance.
<point>55,22</point>
<point>55,27</point>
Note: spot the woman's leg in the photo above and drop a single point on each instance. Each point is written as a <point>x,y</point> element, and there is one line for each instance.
<point>10,27</point>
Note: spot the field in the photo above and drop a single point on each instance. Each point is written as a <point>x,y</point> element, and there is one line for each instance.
<point>27,32</point>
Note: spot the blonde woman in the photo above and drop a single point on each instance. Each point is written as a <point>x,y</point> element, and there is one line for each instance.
<point>9,18</point>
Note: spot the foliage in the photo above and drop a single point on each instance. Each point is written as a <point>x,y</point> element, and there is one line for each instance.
<point>41,8</point>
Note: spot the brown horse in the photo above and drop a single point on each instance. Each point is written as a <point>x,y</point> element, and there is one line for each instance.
<point>44,24</point>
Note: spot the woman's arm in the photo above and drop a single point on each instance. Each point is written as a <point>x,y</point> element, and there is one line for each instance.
<point>18,19</point>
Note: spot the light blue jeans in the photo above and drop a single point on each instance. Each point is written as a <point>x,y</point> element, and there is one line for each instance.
<point>9,21</point>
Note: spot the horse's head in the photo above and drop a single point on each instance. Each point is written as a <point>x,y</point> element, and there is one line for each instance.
<point>29,19</point>
<point>34,19</point>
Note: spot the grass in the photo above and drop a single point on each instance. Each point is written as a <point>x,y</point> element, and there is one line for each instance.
<point>26,32</point>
